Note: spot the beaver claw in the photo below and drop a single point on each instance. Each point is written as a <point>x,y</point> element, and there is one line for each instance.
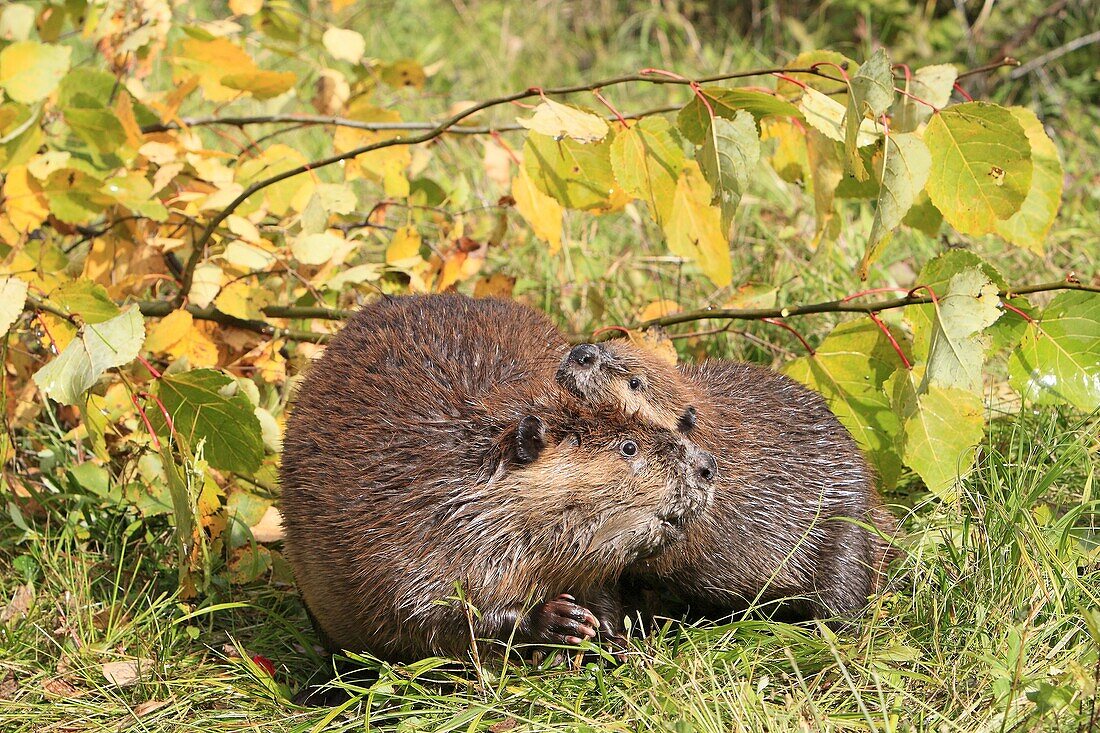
<point>562,621</point>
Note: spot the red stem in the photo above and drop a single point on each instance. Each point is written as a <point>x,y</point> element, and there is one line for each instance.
<point>622,329</point>
<point>694,86</point>
<point>962,92</point>
<point>1018,312</point>
<point>145,419</point>
<point>797,335</point>
<point>931,293</point>
<point>150,367</point>
<point>872,291</point>
<point>507,148</point>
<point>791,79</point>
<point>893,341</point>
<point>617,113</point>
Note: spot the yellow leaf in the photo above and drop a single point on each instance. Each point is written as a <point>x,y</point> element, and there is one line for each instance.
<point>209,60</point>
<point>404,245</point>
<point>30,71</point>
<point>404,73</point>
<point>242,300</point>
<point>169,330</point>
<point>316,249</point>
<point>344,45</point>
<point>24,200</point>
<point>376,163</point>
<point>124,111</point>
<point>205,284</point>
<point>245,7</point>
<point>560,120</point>
<point>658,309</point>
<point>541,212</point>
<point>694,227</point>
<point>656,342</point>
<point>261,84</point>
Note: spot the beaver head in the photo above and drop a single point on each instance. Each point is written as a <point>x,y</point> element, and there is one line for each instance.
<point>618,373</point>
<point>624,488</point>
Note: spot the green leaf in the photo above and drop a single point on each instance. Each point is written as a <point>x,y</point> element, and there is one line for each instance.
<point>647,160</point>
<point>826,115</point>
<point>30,71</point>
<point>205,405</point>
<point>87,87</point>
<point>86,299</point>
<point>937,274</point>
<point>75,197</point>
<point>96,348</point>
<point>99,128</point>
<point>577,174</point>
<point>728,160</point>
<point>13,296</point>
<point>942,427</point>
<point>981,165</point>
<point>134,192</point>
<point>849,368</point>
<point>826,173</point>
<point>694,228</point>
<point>904,173</point>
<point>1058,359</point>
<point>872,91</point>
<point>1029,226</point>
<point>694,119</point>
<point>924,216</point>
<point>931,84</point>
<point>824,60</point>
<point>957,349</point>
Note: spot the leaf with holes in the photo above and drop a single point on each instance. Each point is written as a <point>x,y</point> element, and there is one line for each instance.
<point>904,173</point>
<point>1028,227</point>
<point>647,160</point>
<point>694,228</point>
<point>206,406</point>
<point>728,160</point>
<point>97,348</point>
<point>941,428</point>
<point>1058,360</point>
<point>871,92</point>
<point>981,165</point>
<point>848,369</point>
<point>956,352</point>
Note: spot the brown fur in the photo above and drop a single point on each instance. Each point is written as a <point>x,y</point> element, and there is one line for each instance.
<point>791,485</point>
<point>406,472</point>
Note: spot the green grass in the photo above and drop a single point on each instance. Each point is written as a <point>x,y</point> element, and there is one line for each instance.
<point>992,622</point>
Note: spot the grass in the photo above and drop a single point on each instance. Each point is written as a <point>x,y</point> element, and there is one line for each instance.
<point>990,623</point>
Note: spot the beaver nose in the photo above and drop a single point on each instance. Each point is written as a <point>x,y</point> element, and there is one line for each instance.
<point>706,466</point>
<point>585,355</point>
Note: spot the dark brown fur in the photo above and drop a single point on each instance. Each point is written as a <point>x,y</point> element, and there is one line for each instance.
<point>430,454</point>
<point>791,488</point>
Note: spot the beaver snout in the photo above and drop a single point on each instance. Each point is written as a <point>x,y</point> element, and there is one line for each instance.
<point>585,355</point>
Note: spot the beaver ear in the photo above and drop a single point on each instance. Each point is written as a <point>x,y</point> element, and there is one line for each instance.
<point>687,420</point>
<point>530,439</point>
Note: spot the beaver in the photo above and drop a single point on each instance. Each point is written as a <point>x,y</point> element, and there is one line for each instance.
<point>439,487</point>
<point>792,492</point>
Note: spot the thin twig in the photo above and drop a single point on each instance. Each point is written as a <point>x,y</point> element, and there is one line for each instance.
<point>199,245</point>
<point>1049,56</point>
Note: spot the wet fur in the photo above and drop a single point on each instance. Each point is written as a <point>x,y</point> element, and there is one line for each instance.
<point>405,471</point>
<point>791,487</point>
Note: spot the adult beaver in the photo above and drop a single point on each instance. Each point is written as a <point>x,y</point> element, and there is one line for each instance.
<point>431,466</point>
<point>792,491</point>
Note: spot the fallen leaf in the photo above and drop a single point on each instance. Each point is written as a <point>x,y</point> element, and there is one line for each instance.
<point>19,604</point>
<point>127,672</point>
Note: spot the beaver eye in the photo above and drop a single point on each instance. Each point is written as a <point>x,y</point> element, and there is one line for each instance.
<point>634,384</point>
<point>628,449</point>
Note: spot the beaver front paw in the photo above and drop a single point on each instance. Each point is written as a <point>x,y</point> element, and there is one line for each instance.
<point>561,621</point>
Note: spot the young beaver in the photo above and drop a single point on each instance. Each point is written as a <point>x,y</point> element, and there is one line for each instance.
<point>791,485</point>
<point>431,455</point>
